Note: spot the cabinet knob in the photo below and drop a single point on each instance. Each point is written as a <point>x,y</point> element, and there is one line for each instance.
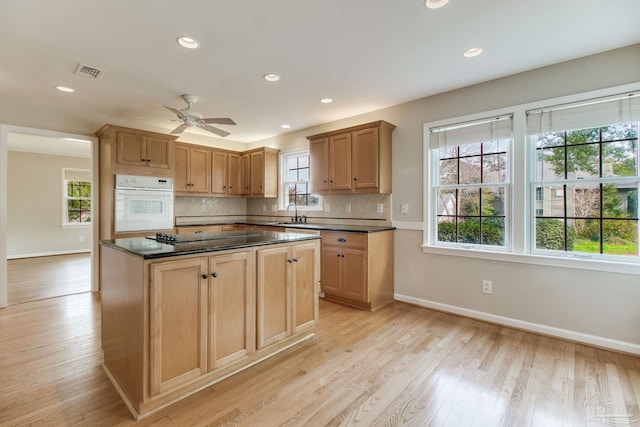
<point>342,240</point>
<point>204,276</point>
<point>214,274</point>
<point>289,261</point>
<point>338,255</point>
<point>295,260</point>
<point>355,179</point>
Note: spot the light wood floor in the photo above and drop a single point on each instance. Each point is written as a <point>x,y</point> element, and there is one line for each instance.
<point>401,365</point>
<point>31,279</point>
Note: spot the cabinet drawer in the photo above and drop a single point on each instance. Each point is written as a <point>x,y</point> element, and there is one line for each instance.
<point>348,240</point>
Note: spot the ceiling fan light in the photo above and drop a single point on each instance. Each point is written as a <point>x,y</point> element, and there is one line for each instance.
<point>188,42</point>
<point>326,100</point>
<point>435,4</point>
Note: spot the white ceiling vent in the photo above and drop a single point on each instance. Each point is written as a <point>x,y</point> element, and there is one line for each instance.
<point>89,71</point>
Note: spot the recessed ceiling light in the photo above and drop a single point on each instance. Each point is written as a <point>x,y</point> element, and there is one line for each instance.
<point>285,126</point>
<point>271,77</point>
<point>435,4</point>
<point>326,100</point>
<point>188,42</point>
<point>470,53</point>
<point>65,89</point>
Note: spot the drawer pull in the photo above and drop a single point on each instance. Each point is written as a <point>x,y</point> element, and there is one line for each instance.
<point>342,240</point>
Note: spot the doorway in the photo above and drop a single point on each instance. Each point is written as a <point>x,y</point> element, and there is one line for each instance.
<point>46,252</point>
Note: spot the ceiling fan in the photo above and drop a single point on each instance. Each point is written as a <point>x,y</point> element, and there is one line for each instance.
<point>191,117</point>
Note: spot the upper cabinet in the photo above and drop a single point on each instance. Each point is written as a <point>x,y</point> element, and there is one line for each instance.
<point>352,160</point>
<point>192,169</point>
<point>137,152</point>
<point>262,174</point>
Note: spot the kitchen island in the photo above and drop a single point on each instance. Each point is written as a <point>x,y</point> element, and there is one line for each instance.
<point>178,316</point>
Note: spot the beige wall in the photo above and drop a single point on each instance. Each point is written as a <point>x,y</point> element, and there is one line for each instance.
<point>34,206</point>
<point>596,307</point>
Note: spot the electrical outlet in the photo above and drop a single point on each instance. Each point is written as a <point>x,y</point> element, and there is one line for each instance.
<point>404,208</point>
<point>203,207</point>
<point>327,207</point>
<point>380,208</point>
<point>348,208</point>
<point>80,238</point>
<point>274,208</point>
<point>487,287</point>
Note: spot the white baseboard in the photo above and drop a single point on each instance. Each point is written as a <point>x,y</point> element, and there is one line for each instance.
<point>39,254</point>
<point>594,340</point>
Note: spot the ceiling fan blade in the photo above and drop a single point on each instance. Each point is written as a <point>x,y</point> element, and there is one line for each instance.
<point>217,131</point>
<point>177,112</point>
<point>179,129</point>
<point>219,121</point>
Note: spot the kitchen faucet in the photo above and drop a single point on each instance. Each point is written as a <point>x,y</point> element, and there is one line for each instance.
<point>297,219</point>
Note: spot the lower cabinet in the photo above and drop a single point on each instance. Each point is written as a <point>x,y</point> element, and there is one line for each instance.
<point>178,323</point>
<point>357,268</point>
<point>172,326</point>
<point>200,317</point>
<point>286,291</point>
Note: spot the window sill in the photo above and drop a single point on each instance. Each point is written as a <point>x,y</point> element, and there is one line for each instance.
<point>83,225</point>
<point>547,261</point>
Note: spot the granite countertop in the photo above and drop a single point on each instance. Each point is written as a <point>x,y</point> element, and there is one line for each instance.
<point>149,248</point>
<point>326,227</point>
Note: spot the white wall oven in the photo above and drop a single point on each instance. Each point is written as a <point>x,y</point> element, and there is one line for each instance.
<point>143,203</point>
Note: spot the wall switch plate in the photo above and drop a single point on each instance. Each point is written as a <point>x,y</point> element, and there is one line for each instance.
<point>404,208</point>
<point>327,207</point>
<point>348,208</point>
<point>380,208</point>
<point>487,287</point>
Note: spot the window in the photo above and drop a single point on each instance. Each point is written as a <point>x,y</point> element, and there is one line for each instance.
<point>76,204</point>
<point>587,174</point>
<point>296,184</point>
<point>471,183</point>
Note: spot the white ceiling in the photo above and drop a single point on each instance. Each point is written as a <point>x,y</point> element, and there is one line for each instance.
<point>365,54</point>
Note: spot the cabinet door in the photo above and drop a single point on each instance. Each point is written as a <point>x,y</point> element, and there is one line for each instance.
<point>245,172</point>
<point>340,162</point>
<point>178,323</point>
<point>365,158</point>
<point>257,174</point>
<point>355,274</point>
<point>200,170</point>
<point>234,176</point>
<point>158,152</point>
<point>231,302</point>
<point>219,172</point>
<point>319,167</point>
<point>181,177</point>
<point>304,287</point>
<point>273,295</point>
<point>332,266</point>
<point>131,149</point>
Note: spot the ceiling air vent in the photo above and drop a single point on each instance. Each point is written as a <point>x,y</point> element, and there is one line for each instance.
<point>89,71</point>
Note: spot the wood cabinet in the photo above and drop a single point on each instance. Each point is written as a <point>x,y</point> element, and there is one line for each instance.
<point>263,172</point>
<point>172,326</point>
<point>357,268</point>
<point>245,174</point>
<point>192,169</point>
<point>286,291</point>
<point>178,322</point>
<point>231,316</point>
<point>128,151</point>
<point>352,160</point>
<point>225,173</point>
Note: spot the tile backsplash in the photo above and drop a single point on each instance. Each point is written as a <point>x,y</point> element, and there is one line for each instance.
<point>357,209</point>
